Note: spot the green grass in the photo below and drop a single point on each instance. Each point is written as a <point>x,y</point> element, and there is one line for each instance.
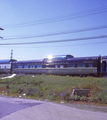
<point>54,87</point>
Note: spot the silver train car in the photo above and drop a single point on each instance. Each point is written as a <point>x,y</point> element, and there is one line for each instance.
<point>62,65</point>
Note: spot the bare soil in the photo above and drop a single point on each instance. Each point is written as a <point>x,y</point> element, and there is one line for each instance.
<point>87,106</point>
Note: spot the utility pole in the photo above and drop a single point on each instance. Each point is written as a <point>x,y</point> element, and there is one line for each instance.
<point>11,57</point>
<point>1,29</point>
<point>11,54</point>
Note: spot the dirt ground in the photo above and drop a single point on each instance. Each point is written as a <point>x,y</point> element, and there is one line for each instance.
<point>87,106</point>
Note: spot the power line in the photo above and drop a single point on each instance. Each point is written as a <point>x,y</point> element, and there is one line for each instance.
<point>62,45</point>
<point>60,18</point>
<point>60,33</point>
<point>56,41</point>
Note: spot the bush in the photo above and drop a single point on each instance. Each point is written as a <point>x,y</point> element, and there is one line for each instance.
<point>75,98</point>
<point>20,90</point>
<point>64,95</point>
<point>30,92</point>
<point>99,97</point>
<point>55,87</point>
<point>83,98</point>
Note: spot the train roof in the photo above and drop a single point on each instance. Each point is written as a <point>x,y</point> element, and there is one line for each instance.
<point>6,61</point>
<point>104,57</point>
<point>57,57</point>
<point>84,58</point>
<point>29,61</point>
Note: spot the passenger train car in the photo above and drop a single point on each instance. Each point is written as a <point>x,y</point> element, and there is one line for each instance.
<point>63,65</point>
<point>6,66</point>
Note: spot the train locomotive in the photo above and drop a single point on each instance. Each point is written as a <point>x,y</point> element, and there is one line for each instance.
<point>58,65</point>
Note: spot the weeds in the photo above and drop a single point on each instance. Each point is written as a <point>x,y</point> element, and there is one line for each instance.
<point>55,87</point>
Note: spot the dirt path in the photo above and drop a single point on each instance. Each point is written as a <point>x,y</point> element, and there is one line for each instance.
<point>87,106</point>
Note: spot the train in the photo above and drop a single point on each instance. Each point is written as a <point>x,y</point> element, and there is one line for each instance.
<point>58,65</point>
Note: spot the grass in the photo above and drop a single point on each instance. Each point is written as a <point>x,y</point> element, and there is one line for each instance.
<point>53,87</point>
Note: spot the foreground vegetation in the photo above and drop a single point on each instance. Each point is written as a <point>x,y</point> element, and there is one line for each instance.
<point>54,88</point>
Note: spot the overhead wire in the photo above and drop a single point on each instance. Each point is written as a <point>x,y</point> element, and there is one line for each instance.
<point>56,41</point>
<point>60,18</point>
<point>59,33</point>
<point>62,45</point>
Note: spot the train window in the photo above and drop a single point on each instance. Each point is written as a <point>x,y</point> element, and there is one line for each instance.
<point>26,66</point>
<point>83,65</point>
<point>20,66</point>
<point>52,66</point>
<point>70,65</point>
<point>32,66</point>
<point>56,66</point>
<point>80,65</point>
<point>94,64</point>
<point>90,65</point>
<point>106,66</point>
<point>61,66</point>
<point>13,66</point>
<point>47,66</point>
<point>39,66</point>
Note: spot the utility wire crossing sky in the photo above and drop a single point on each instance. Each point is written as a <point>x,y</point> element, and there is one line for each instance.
<point>56,27</point>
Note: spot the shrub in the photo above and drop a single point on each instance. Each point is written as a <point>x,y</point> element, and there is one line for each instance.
<point>20,90</point>
<point>30,92</point>
<point>99,97</point>
<point>64,95</point>
<point>75,97</point>
<point>83,98</point>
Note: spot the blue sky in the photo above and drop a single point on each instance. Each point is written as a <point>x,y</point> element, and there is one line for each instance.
<point>28,18</point>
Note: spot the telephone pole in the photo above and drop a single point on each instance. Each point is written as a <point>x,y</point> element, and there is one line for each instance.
<point>1,29</point>
<point>11,54</point>
<point>11,57</point>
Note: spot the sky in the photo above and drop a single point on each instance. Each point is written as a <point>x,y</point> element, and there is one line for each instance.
<point>52,27</point>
